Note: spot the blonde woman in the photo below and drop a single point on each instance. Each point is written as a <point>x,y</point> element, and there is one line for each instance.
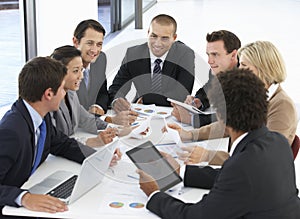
<point>264,59</point>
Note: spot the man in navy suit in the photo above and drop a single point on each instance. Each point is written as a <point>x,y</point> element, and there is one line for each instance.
<point>41,89</point>
<point>257,181</point>
<point>176,67</point>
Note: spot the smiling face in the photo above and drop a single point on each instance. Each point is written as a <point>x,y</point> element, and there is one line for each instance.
<point>218,58</point>
<point>160,38</point>
<point>90,46</point>
<point>74,74</point>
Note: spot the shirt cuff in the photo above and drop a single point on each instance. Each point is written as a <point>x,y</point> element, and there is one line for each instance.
<point>153,193</point>
<point>18,200</point>
<point>96,105</point>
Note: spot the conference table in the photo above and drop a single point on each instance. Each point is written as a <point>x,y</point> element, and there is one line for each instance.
<point>119,195</point>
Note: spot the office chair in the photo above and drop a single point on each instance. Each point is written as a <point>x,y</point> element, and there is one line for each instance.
<point>295,146</point>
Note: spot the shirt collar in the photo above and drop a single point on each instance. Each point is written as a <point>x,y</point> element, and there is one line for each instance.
<point>272,89</point>
<point>35,116</point>
<point>153,57</point>
<point>236,142</point>
<point>88,68</point>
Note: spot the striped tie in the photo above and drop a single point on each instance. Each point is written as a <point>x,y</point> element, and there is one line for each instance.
<point>156,77</point>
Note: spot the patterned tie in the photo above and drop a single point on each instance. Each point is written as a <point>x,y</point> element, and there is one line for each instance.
<point>156,78</point>
<point>40,146</point>
<point>86,75</point>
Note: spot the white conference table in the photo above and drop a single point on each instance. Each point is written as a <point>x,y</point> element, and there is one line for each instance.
<point>117,186</point>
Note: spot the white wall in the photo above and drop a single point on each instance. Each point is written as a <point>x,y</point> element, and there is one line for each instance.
<point>56,29</point>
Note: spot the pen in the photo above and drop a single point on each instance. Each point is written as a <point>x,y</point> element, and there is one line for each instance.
<point>133,177</point>
<point>193,103</point>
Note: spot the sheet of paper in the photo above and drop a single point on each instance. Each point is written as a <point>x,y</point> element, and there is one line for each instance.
<point>143,129</point>
<point>173,134</point>
<point>152,110</point>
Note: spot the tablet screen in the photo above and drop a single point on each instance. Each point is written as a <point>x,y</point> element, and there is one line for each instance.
<point>147,158</point>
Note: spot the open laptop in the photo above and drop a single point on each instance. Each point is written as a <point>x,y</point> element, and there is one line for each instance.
<point>67,186</point>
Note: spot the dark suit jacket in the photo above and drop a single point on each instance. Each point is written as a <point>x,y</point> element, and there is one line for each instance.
<point>179,66</point>
<point>200,120</point>
<point>97,92</point>
<point>17,142</point>
<point>257,182</point>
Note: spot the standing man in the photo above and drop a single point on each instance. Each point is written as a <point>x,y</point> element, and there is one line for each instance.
<point>221,49</point>
<point>158,69</point>
<point>250,183</point>
<point>27,135</point>
<point>88,38</point>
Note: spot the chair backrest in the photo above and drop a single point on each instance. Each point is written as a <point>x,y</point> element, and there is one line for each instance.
<point>295,146</point>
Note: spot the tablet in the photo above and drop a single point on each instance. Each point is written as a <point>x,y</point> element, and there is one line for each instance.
<point>147,158</point>
<point>191,108</point>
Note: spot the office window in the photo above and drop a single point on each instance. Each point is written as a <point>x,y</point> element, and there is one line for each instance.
<point>11,56</point>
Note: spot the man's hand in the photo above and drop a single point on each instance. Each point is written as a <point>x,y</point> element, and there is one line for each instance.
<point>120,104</point>
<point>104,137</point>
<point>193,101</point>
<point>147,183</point>
<point>193,155</point>
<point>116,157</point>
<point>107,135</point>
<point>181,114</point>
<point>43,203</point>
<point>125,118</point>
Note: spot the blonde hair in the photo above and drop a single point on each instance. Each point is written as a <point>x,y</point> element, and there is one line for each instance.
<point>267,59</point>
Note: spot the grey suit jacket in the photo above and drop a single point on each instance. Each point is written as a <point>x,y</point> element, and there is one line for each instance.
<point>97,91</point>
<point>79,118</point>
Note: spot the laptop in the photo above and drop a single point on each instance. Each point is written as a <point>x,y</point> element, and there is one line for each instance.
<point>69,187</point>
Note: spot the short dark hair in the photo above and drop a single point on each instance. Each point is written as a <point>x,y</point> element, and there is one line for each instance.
<point>165,19</point>
<point>231,41</point>
<point>65,54</point>
<point>84,25</point>
<point>38,75</point>
<point>240,99</point>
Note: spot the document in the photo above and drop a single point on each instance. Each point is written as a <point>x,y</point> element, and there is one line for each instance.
<point>152,110</point>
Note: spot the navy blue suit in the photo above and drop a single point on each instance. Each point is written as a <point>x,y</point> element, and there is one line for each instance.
<point>17,142</point>
<point>256,182</point>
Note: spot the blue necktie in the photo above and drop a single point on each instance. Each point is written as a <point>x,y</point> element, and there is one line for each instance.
<point>40,146</point>
<point>156,77</point>
<point>86,74</point>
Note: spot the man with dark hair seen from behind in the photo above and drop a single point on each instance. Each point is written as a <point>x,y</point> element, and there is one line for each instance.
<point>41,89</point>
<point>250,183</point>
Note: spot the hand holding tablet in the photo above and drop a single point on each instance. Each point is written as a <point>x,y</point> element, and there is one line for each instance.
<point>148,159</point>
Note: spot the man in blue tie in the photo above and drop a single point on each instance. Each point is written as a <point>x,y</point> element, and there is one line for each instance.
<point>27,135</point>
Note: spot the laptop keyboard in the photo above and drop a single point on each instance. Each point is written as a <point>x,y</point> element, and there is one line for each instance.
<point>65,189</point>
